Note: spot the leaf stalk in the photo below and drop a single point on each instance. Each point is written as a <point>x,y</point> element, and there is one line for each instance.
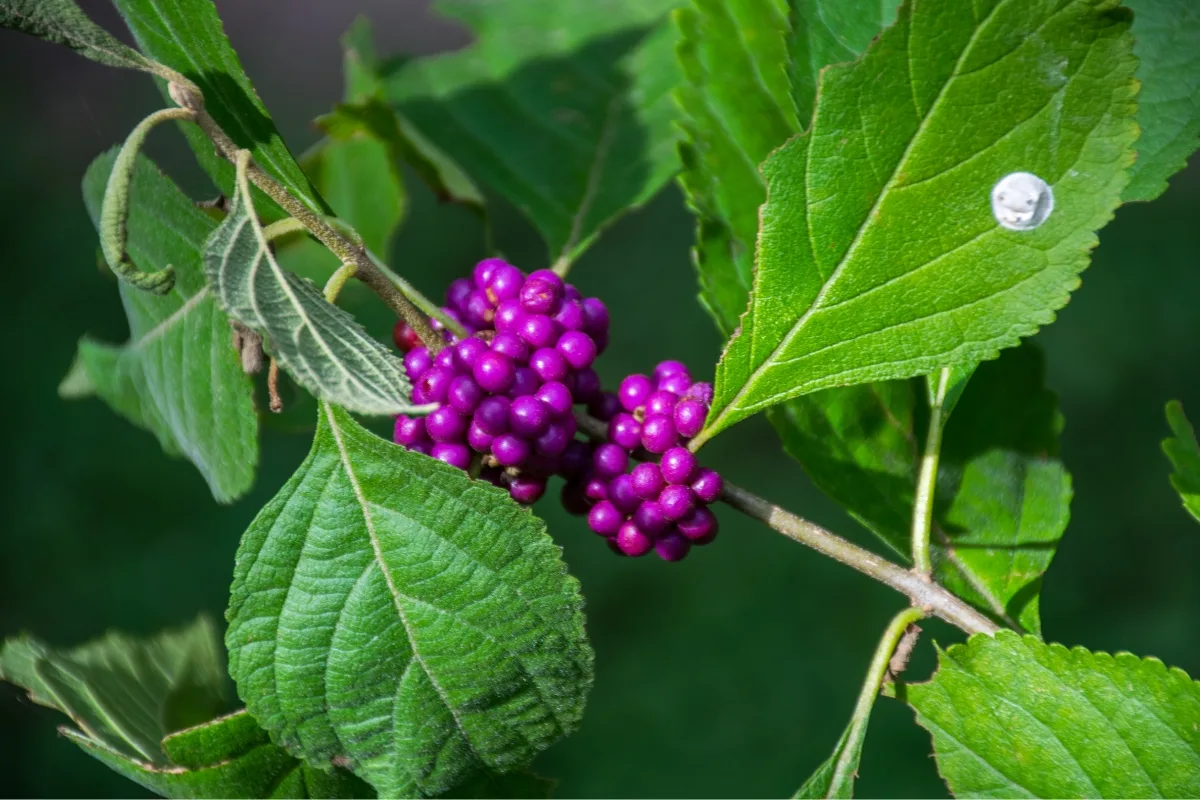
<point>922,519</point>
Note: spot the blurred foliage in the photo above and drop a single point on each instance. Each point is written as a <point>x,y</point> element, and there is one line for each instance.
<point>731,674</point>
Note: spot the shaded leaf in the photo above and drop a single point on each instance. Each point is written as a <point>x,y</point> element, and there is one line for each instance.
<point>1013,717</point>
<point>62,22</point>
<point>1167,43</point>
<point>390,610</point>
<point>187,35</point>
<point>178,376</point>
<point>820,783</point>
<point>1184,454</point>
<point>561,106</point>
<point>319,344</point>
<point>879,217</point>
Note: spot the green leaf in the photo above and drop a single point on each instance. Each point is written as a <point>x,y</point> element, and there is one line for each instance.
<point>1167,44</point>
<point>820,783</point>
<point>1013,717</point>
<point>390,611</point>
<point>179,376</point>
<point>62,22</point>
<point>1184,454</point>
<point>319,344</point>
<point>123,693</point>
<point>561,106</point>
<point>879,218</point>
<point>187,35</point>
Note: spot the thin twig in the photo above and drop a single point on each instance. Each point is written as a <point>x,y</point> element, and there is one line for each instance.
<point>276,402</point>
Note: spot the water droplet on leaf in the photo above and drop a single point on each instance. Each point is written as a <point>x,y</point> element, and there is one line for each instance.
<point>1021,201</point>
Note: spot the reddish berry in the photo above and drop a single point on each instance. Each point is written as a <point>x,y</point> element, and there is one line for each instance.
<point>633,541</point>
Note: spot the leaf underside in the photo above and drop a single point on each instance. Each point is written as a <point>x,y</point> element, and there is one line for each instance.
<point>179,375</point>
<point>1013,717</point>
<point>390,610</point>
<point>62,22</point>
<point>563,107</point>
<point>1184,454</point>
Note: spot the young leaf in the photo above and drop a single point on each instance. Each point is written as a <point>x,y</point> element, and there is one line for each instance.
<point>62,22</point>
<point>125,694</point>
<point>1013,717</point>
<point>879,256</point>
<point>1167,43</point>
<point>561,106</point>
<point>178,376</point>
<point>319,344</point>
<point>187,36</point>
<point>390,611</point>
<point>1184,454</point>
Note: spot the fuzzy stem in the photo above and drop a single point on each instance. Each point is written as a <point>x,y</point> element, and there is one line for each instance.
<point>922,519</point>
<point>333,287</point>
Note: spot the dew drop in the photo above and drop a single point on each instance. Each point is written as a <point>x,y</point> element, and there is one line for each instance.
<point>1021,201</point>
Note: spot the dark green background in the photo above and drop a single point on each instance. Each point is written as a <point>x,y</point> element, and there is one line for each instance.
<point>731,674</point>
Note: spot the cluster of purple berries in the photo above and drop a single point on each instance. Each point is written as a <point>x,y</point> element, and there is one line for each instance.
<point>506,395</point>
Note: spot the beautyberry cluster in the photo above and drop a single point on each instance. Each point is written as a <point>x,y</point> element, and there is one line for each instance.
<point>505,397</point>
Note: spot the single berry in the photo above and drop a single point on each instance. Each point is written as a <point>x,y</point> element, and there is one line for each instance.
<point>540,296</point>
<point>467,351</point>
<point>647,481</point>
<point>445,425</point>
<point>504,283</point>
<point>478,312</point>
<point>571,293</point>
<point>557,398</point>
<point>672,547</point>
<point>484,269</point>
<point>494,372</point>
<point>597,317</point>
<point>625,430</point>
<point>510,450</point>
<point>510,345</point>
<point>538,330</point>
<point>701,391</point>
<point>634,391</point>
<point>650,518</point>
<point>689,417</point>
<point>596,490</point>
<point>666,368</point>
<point>610,460</point>
<point>549,364</point>
<point>700,525</point>
<point>707,485</point>
<point>570,315</point>
<point>554,441</point>
<point>416,361</point>
<point>445,359</point>
<point>659,434</point>
<point>678,465</point>
<point>456,455</point>
<point>424,447</point>
<point>551,277</point>
<point>621,495</point>
<point>525,383</point>
<point>633,541</point>
<point>508,317</point>
<point>677,383</point>
<point>527,489</point>
<point>408,430</point>
<point>573,498</point>
<point>676,501</point>
<point>601,340</point>
<point>660,402</point>
<point>464,394</point>
<point>405,337</point>
<point>585,385</point>
<point>457,291</point>
<point>528,417</point>
<point>604,518</point>
<point>604,407</point>
<point>479,439</point>
<point>576,459</point>
<point>491,415</point>
<point>577,348</point>
<point>433,386</point>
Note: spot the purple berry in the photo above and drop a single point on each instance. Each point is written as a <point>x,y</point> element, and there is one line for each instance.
<point>604,518</point>
<point>424,447</point>
<point>625,430</point>
<point>672,547</point>
<point>577,348</point>
<point>466,351</point>
<point>445,359</point>
<point>554,441</point>
<point>666,368</point>
<point>527,489</point>
<point>604,407</point>
<point>597,317</point>
<point>464,394</point>
<point>551,277</point>
<point>510,345</point>
<point>585,385</point>
<point>510,450</point>
<point>557,398</point>
<point>701,391</point>
<point>570,315</point>
<point>571,293</point>
<point>504,283</point>
<point>650,518</point>
<point>446,425</point>
<point>700,525</point>
<point>676,501</point>
<point>689,417</point>
<point>525,383</point>
<point>494,372</point>
<point>633,541</point>
<point>676,383</point>
<point>408,430</point>
<point>596,490</point>
<point>538,330</point>
<point>678,465</point>
<point>456,455</point>
<point>707,485</point>
<point>478,312</point>
<point>416,361</point>
<point>601,340</point>
<point>573,498</point>
<point>528,417</point>
<point>479,439</point>
<point>659,434</point>
<point>540,296</point>
<point>610,460</point>
<point>491,415</point>
<point>457,291</point>
<point>621,495</point>
<point>454,314</point>
<point>647,481</point>
<point>549,364</point>
<point>576,459</point>
<point>433,385</point>
<point>660,402</point>
<point>634,391</point>
<point>484,269</point>
<point>509,317</point>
